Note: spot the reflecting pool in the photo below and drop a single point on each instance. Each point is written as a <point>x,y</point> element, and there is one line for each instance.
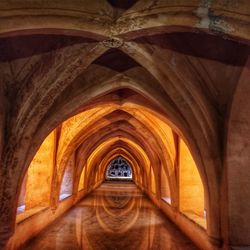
<point>115,216</point>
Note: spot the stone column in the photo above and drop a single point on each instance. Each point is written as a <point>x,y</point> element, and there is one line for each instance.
<point>237,165</point>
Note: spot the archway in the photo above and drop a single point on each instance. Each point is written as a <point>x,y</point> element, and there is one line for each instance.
<point>179,84</point>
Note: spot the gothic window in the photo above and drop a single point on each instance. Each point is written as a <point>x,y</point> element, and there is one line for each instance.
<point>119,168</point>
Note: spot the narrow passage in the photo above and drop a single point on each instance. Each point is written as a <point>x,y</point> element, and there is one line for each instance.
<point>115,216</point>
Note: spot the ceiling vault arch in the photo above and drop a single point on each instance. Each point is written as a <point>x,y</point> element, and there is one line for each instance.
<point>158,83</point>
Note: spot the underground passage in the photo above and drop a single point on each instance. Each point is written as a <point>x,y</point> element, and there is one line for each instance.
<point>124,124</point>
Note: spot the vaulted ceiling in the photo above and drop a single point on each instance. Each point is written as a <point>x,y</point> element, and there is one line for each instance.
<point>131,67</point>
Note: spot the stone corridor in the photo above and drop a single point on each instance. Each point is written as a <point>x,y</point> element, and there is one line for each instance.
<point>115,216</point>
<point>155,91</point>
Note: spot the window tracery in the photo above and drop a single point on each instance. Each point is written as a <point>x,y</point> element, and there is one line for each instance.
<point>119,168</point>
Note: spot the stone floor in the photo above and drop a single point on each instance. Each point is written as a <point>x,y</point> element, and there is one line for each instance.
<point>116,216</point>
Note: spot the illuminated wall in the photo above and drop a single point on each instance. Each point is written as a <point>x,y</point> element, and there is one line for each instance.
<point>190,184</point>
<point>39,176</point>
<point>152,181</point>
<point>82,179</point>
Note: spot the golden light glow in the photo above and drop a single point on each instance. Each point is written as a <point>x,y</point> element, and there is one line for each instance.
<point>154,174</point>
<point>38,187</point>
<point>191,188</point>
<point>82,179</point>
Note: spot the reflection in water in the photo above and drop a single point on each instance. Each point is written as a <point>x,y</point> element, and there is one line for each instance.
<point>116,216</point>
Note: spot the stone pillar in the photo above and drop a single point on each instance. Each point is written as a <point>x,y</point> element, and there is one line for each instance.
<point>6,189</point>
<point>237,164</point>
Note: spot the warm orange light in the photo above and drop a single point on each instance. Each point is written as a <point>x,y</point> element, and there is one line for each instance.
<point>82,179</point>
<point>191,187</point>
<point>153,175</point>
<point>39,178</point>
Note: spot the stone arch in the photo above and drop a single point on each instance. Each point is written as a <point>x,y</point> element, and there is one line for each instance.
<point>141,18</point>
<point>130,146</point>
<point>197,147</point>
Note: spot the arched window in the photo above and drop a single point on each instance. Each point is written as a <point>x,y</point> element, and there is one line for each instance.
<point>119,169</point>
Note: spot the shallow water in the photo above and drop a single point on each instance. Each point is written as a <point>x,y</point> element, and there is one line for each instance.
<point>115,216</point>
